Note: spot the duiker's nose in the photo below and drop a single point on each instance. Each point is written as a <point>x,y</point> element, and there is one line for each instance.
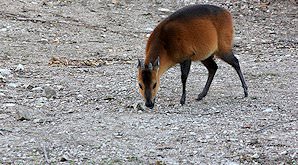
<point>149,104</point>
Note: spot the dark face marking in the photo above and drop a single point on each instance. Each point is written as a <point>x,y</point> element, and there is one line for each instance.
<point>147,79</point>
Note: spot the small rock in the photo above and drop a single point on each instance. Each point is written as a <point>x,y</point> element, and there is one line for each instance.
<point>28,86</point>
<point>118,135</point>
<point>38,89</point>
<point>2,94</point>
<point>247,126</point>
<point>5,72</point>
<point>284,152</point>
<point>109,98</point>
<point>2,79</point>
<point>254,142</point>
<point>237,39</point>
<point>121,110</point>
<point>69,111</point>
<point>268,110</point>
<point>175,128</point>
<point>231,163</point>
<point>49,92</point>
<point>23,115</point>
<point>99,86</point>
<point>9,105</point>
<point>38,121</point>
<point>255,156</point>
<point>192,133</point>
<point>164,10</point>
<point>40,102</point>
<point>80,96</point>
<point>149,29</point>
<point>12,85</point>
<point>60,87</point>
<point>116,2</point>
<point>20,68</point>
<point>139,107</point>
<point>44,41</point>
<point>271,32</point>
<point>3,29</point>
<point>64,158</point>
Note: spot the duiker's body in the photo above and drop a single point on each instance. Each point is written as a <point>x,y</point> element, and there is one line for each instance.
<point>194,33</point>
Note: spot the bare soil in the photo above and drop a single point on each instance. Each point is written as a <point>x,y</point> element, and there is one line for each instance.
<point>68,90</point>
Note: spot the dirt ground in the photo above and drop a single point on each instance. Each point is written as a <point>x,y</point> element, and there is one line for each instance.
<point>68,87</point>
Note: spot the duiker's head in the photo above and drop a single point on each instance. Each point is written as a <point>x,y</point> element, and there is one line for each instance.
<point>148,80</point>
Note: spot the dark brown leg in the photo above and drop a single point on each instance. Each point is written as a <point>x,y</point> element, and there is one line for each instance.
<point>210,64</point>
<point>185,67</point>
<point>233,61</point>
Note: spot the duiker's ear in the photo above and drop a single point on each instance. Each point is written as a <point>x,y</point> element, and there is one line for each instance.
<point>150,66</point>
<point>156,63</point>
<point>140,64</point>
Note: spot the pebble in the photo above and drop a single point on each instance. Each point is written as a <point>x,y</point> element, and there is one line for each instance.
<point>12,85</point>
<point>116,2</point>
<point>44,41</point>
<point>139,107</point>
<point>80,96</point>
<point>40,102</point>
<point>255,156</point>
<point>268,110</point>
<point>284,152</point>
<point>64,158</point>
<point>20,68</point>
<point>5,71</point>
<point>2,78</point>
<point>28,86</point>
<point>3,29</point>
<point>164,10</point>
<point>38,89</point>
<point>118,135</point>
<point>192,133</point>
<point>23,115</point>
<point>50,92</point>
<point>60,87</point>
<point>175,128</point>
<point>9,105</point>
<point>2,94</point>
<point>237,39</point>
<point>98,86</point>
<point>149,29</point>
<point>231,163</point>
<point>38,121</point>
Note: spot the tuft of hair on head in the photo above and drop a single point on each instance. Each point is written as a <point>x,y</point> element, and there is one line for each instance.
<point>141,64</point>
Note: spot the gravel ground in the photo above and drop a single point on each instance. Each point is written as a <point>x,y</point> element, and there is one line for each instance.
<point>68,87</point>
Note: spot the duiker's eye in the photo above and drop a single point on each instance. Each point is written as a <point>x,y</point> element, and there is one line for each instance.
<point>140,85</point>
<point>154,86</point>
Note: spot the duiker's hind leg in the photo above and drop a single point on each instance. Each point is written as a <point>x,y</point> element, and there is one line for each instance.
<point>185,67</point>
<point>232,60</point>
<point>210,64</point>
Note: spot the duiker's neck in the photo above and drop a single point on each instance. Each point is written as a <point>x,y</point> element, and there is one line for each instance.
<point>154,49</point>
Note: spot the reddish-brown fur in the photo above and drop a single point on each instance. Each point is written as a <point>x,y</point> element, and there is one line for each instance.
<point>189,35</point>
<point>195,38</point>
